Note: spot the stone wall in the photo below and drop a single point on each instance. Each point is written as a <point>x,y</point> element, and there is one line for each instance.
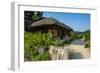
<point>69,52</point>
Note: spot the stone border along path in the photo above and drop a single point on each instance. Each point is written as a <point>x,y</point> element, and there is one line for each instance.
<point>72,51</point>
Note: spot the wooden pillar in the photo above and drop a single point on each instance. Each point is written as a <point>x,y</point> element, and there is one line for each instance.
<point>50,31</point>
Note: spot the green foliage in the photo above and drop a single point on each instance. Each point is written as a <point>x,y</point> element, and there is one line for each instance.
<point>36,45</point>
<point>56,42</point>
<point>41,57</point>
<point>87,39</point>
<point>87,36</point>
<point>77,35</point>
<point>67,41</point>
<point>37,15</point>
<point>74,35</point>
<point>80,35</point>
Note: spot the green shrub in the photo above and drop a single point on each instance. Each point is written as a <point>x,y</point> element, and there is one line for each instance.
<point>33,43</point>
<point>56,42</point>
<point>42,57</point>
<point>87,39</point>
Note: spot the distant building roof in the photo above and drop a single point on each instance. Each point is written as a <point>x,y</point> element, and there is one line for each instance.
<point>50,21</point>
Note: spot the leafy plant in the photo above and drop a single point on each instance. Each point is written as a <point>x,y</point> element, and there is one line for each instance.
<point>37,15</point>
<point>87,39</point>
<point>36,45</point>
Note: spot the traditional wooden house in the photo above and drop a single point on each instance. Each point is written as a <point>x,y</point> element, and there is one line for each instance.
<point>52,26</point>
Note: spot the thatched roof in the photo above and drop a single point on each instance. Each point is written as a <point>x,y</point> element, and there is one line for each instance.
<point>50,21</point>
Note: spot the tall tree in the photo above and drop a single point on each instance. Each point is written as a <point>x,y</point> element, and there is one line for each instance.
<point>37,15</point>
<point>33,15</point>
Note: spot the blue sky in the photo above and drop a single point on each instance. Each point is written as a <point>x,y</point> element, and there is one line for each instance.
<point>77,21</point>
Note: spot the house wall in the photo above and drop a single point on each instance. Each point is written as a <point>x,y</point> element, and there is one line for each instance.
<point>54,30</point>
